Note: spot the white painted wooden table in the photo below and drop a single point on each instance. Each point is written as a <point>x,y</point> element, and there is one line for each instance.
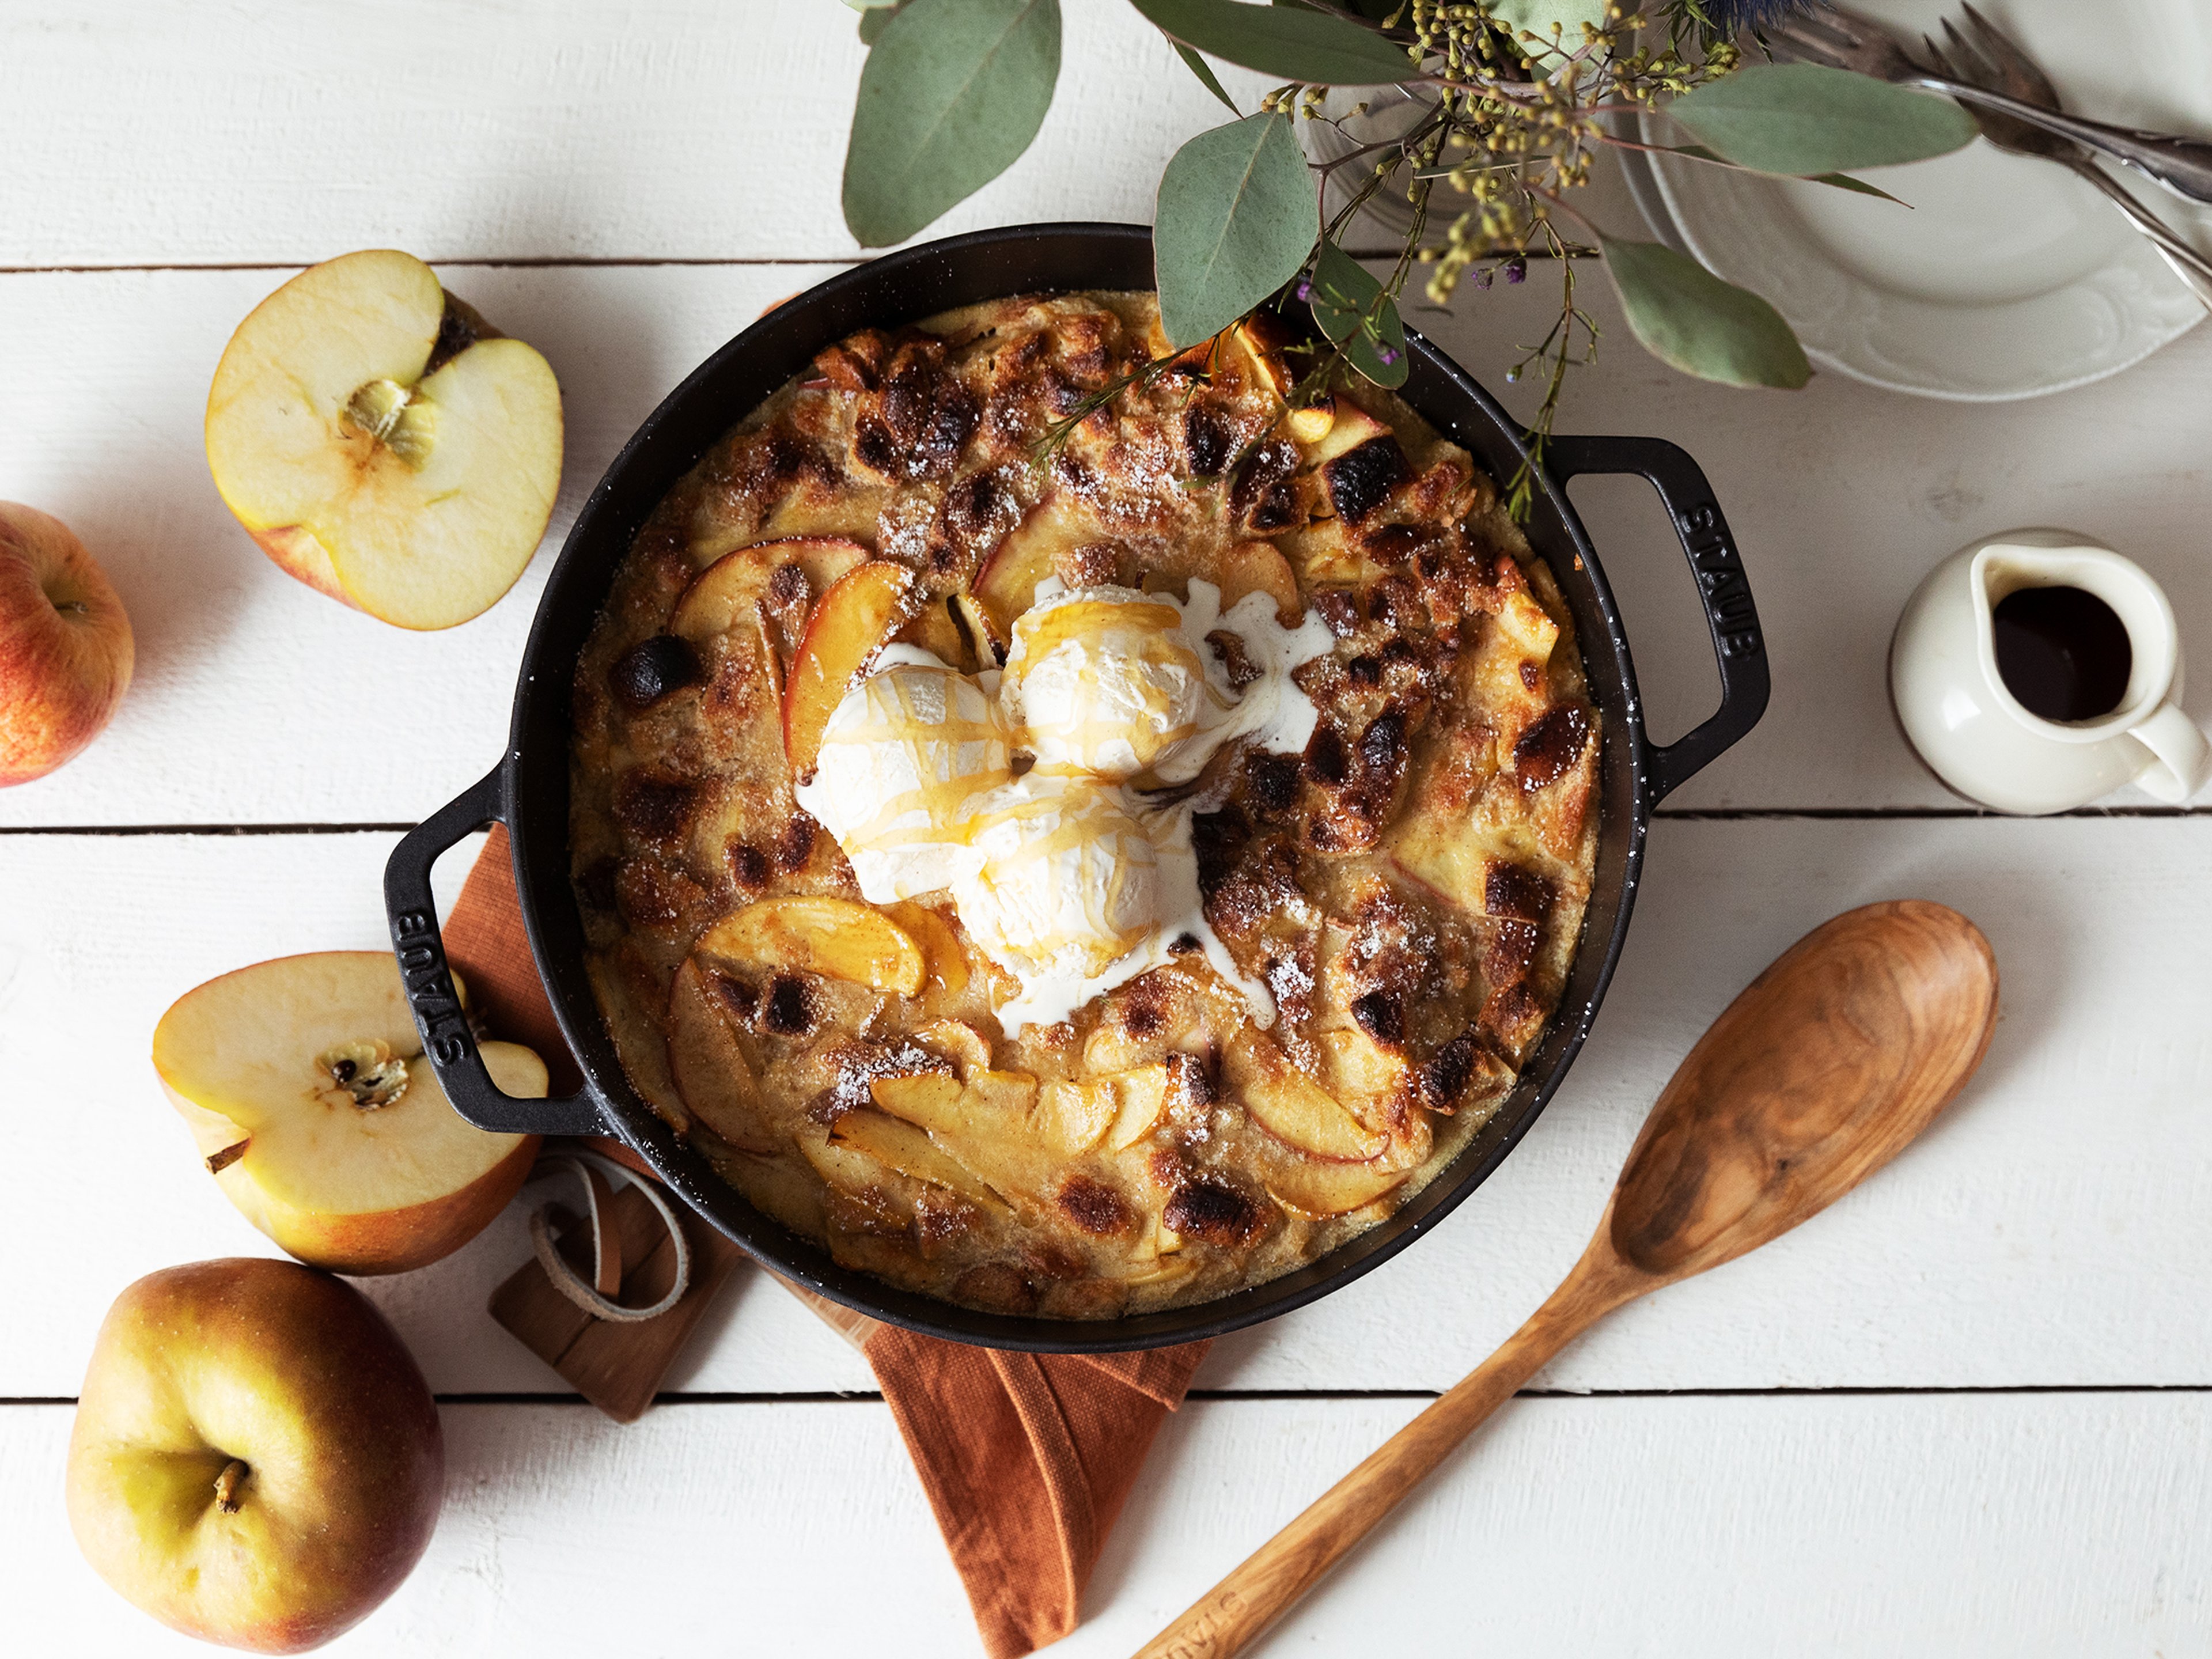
<point>1964,1413</point>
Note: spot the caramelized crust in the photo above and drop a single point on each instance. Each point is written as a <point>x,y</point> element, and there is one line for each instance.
<point>1411,888</point>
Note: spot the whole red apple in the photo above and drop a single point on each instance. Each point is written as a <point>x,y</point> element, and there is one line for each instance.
<point>64,645</point>
<point>255,1460</point>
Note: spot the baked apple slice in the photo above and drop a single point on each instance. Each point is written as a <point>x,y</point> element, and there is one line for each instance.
<point>945,963</point>
<point>725,593</point>
<point>1318,1189</point>
<point>1366,1078</point>
<point>1071,1118</point>
<point>383,443</point>
<point>900,1146</point>
<point>308,1094</point>
<point>1350,426</point>
<point>1291,1107</point>
<point>955,1040</point>
<point>850,623</point>
<point>932,629</point>
<point>988,1106</point>
<point>1006,583</point>
<point>1240,568</point>
<point>836,938</point>
<point>710,1070</point>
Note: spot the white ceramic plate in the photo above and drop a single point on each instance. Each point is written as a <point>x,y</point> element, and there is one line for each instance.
<point>2009,278</point>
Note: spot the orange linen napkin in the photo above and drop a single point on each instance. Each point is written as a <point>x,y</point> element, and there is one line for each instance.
<point>1026,1458</point>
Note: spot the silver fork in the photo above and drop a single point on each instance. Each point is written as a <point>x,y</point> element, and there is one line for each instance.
<point>1843,40</point>
<point>1991,59</point>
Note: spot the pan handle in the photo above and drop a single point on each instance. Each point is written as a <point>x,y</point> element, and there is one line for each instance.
<point>1729,613</point>
<point>446,1039</point>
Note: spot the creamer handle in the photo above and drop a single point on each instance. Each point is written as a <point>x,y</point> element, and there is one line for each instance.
<point>2180,759</point>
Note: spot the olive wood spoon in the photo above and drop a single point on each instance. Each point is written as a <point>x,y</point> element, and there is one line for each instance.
<point>1816,1076</point>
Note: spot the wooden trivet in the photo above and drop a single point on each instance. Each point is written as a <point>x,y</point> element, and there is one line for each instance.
<point>616,1366</point>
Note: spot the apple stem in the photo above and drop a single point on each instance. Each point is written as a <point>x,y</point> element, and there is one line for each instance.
<point>227,1485</point>
<point>220,1161</point>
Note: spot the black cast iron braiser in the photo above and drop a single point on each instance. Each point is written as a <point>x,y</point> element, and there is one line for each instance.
<point>529,789</point>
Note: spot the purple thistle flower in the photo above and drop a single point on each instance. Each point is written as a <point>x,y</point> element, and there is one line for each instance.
<point>1516,269</point>
<point>1389,354</point>
<point>1305,290</point>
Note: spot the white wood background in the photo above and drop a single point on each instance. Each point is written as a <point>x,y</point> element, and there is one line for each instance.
<point>1965,1413</point>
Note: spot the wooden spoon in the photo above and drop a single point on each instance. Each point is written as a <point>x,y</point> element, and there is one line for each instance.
<point>1819,1074</point>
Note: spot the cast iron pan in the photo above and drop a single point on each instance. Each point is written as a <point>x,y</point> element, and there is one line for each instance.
<point>528,791</point>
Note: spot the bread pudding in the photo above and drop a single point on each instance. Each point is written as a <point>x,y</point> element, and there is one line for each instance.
<point>1074,838</point>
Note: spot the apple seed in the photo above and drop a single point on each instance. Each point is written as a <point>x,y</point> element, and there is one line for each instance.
<point>369,1072</point>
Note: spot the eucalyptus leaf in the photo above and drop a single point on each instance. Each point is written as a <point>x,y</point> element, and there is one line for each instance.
<point>1537,16</point>
<point>1377,11</point>
<point>1206,77</point>
<point>1351,309</point>
<point>952,94</point>
<point>1314,47</point>
<point>1838,180</point>
<point>874,21</point>
<point>1806,119</point>
<point>1235,221</point>
<point>1689,317</point>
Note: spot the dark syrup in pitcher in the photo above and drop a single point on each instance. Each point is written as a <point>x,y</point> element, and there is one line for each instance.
<point>2063,652</point>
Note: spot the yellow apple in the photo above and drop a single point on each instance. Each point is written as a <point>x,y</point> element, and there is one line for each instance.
<point>66,649</point>
<point>256,1458</point>
<point>383,443</point>
<point>308,1094</point>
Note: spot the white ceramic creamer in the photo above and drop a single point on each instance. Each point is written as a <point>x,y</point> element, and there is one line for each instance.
<point>1981,740</point>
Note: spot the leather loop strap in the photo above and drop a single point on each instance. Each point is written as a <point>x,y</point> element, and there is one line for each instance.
<point>597,1299</point>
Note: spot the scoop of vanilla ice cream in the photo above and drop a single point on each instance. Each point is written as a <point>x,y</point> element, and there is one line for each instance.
<point>1065,880</point>
<point>1105,681</point>
<point>904,750</point>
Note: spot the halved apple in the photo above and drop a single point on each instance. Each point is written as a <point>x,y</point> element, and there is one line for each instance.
<point>308,1095</point>
<point>383,443</point>
<point>710,1070</point>
<point>849,622</point>
<point>836,938</point>
<point>726,592</point>
<point>1291,1107</point>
